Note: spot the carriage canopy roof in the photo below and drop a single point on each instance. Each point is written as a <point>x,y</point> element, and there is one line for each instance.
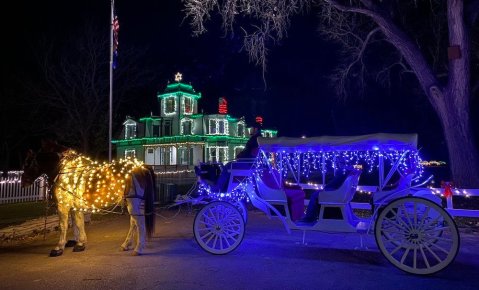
<point>378,141</point>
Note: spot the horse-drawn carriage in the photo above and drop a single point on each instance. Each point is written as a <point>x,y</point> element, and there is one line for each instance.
<point>411,228</point>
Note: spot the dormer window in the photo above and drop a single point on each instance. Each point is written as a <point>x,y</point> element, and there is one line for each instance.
<point>130,153</point>
<point>169,105</point>
<point>241,129</point>
<point>130,130</point>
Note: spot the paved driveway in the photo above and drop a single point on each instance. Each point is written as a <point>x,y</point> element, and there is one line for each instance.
<point>268,258</point>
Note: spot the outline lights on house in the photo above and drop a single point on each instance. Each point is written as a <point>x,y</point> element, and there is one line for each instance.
<point>178,77</point>
<point>222,106</point>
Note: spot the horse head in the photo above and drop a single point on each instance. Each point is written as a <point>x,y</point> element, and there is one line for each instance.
<point>37,164</point>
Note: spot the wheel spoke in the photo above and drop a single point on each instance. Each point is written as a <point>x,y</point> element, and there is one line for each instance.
<point>396,224</point>
<point>414,258</point>
<point>219,227</point>
<point>408,225</point>
<point>405,255</point>
<point>417,235</point>
<point>437,229</point>
<point>396,249</point>
<point>432,253</point>
<point>425,214</point>
<point>440,248</point>
<point>424,257</point>
<point>221,241</point>
<point>434,238</point>
<point>215,241</point>
<point>211,234</point>
<point>227,242</point>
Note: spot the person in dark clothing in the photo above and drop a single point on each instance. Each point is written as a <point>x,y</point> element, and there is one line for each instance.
<point>250,151</point>
<point>251,148</point>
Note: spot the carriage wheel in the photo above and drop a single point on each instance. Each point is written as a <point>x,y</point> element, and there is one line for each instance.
<point>417,235</point>
<point>241,207</point>
<point>219,227</point>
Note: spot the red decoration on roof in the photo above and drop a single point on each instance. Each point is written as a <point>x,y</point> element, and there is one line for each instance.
<point>259,120</point>
<point>223,106</point>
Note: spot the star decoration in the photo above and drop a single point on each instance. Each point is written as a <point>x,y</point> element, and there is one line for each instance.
<point>178,77</point>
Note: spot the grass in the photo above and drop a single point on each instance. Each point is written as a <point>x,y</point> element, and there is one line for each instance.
<point>16,213</point>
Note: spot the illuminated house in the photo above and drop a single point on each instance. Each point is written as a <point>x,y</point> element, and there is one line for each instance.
<point>181,135</point>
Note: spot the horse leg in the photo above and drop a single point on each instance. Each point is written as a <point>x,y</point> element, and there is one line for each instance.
<point>63,221</point>
<point>137,225</point>
<point>76,231</point>
<point>129,237</point>
<point>79,231</point>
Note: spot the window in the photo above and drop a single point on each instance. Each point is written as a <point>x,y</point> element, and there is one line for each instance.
<point>186,127</point>
<point>169,106</point>
<point>156,130</point>
<point>183,156</point>
<point>130,130</point>
<point>188,105</point>
<point>221,127</point>
<point>218,126</point>
<point>167,128</point>
<point>240,129</point>
<point>166,155</point>
<point>212,126</point>
<point>218,154</point>
<point>149,150</point>
<point>130,153</point>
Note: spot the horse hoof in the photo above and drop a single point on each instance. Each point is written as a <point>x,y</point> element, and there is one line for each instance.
<point>78,248</point>
<point>71,243</point>
<point>56,253</point>
<point>135,253</point>
<point>123,249</point>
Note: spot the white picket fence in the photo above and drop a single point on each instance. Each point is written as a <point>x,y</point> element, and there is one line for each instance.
<point>11,190</point>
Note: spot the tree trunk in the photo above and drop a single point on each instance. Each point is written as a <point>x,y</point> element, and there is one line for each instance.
<point>463,157</point>
<point>453,108</point>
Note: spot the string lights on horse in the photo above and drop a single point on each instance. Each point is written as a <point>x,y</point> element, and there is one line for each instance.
<point>104,184</point>
<point>83,185</point>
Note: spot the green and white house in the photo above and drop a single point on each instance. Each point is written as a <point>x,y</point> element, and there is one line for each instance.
<point>181,135</point>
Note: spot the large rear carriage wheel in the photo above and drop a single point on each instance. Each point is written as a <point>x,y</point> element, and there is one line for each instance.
<point>219,227</point>
<point>416,235</point>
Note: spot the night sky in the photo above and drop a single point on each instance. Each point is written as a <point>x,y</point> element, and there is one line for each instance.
<point>298,98</point>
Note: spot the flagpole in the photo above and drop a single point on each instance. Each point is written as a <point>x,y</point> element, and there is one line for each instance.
<point>111,81</point>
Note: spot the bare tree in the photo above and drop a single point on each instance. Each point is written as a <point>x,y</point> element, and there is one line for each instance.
<point>73,93</point>
<point>428,39</point>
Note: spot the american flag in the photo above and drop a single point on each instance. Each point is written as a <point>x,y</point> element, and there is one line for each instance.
<point>116,30</point>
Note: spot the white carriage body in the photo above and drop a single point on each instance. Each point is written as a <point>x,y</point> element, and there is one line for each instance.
<point>412,229</point>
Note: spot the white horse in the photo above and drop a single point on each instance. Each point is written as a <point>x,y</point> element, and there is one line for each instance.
<point>82,185</point>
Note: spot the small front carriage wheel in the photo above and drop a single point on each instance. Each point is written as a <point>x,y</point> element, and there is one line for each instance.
<point>219,227</point>
<point>417,235</point>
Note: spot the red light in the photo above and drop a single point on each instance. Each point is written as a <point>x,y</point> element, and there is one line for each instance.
<point>259,120</point>
<point>223,106</point>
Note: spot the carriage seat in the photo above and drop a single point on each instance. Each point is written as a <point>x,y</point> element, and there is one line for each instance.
<point>402,187</point>
<point>345,192</point>
<point>269,183</point>
<point>217,176</point>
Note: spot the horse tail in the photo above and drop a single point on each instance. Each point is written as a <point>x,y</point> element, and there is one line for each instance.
<point>150,190</point>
